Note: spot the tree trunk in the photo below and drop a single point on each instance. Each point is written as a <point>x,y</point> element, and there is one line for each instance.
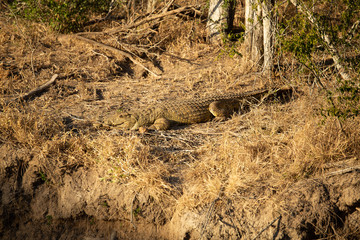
<point>254,31</point>
<point>258,34</point>
<point>220,19</point>
<point>268,36</point>
<point>150,6</point>
<point>216,20</point>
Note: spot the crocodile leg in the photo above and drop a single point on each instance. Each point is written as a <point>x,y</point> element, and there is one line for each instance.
<point>161,124</point>
<point>223,109</point>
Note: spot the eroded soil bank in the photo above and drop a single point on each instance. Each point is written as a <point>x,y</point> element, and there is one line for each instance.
<point>83,206</point>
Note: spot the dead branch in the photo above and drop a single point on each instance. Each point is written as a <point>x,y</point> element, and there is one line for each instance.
<point>157,16</point>
<point>117,51</point>
<point>333,51</point>
<point>344,171</point>
<point>143,21</point>
<point>352,31</point>
<point>167,6</point>
<point>194,13</point>
<point>37,90</point>
<point>108,15</point>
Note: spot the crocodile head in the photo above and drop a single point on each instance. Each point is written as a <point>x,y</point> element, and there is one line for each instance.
<point>122,120</point>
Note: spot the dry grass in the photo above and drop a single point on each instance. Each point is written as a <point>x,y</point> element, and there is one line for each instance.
<point>257,154</point>
<point>279,146</point>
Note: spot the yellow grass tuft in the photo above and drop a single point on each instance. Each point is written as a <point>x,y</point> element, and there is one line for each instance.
<point>279,146</point>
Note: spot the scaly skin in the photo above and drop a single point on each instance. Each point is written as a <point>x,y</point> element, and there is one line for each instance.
<point>196,110</point>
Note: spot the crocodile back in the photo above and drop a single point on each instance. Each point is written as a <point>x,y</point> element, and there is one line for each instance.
<point>197,110</point>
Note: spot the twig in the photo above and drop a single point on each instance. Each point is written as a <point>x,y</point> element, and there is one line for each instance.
<point>178,58</point>
<point>143,21</point>
<point>128,55</point>
<point>101,54</point>
<point>343,171</point>
<point>132,212</point>
<point>258,235</point>
<point>194,12</point>
<point>107,16</point>
<point>206,133</point>
<point>111,8</point>
<point>352,30</point>
<point>208,215</point>
<point>231,219</point>
<point>174,150</point>
<point>167,6</point>
<point>37,90</point>
<point>317,77</point>
<point>32,61</point>
<point>74,117</point>
<point>168,136</point>
<point>157,16</point>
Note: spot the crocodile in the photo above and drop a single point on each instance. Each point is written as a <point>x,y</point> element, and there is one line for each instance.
<point>164,115</point>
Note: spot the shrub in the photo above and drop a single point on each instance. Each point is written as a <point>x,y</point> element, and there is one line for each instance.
<point>337,20</point>
<point>61,15</point>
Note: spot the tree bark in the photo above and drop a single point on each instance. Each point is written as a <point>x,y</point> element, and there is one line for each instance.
<point>268,36</point>
<point>259,34</point>
<point>254,31</point>
<point>220,19</point>
<point>150,6</point>
<point>216,20</point>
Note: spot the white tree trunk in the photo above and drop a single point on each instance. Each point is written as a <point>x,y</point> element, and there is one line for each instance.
<point>150,6</point>
<point>258,34</point>
<point>268,37</point>
<point>254,31</point>
<point>216,21</point>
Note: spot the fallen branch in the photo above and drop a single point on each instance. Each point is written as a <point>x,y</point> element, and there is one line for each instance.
<point>143,21</point>
<point>194,12</point>
<point>157,16</point>
<point>37,90</point>
<point>123,53</point>
<point>344,171</point>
